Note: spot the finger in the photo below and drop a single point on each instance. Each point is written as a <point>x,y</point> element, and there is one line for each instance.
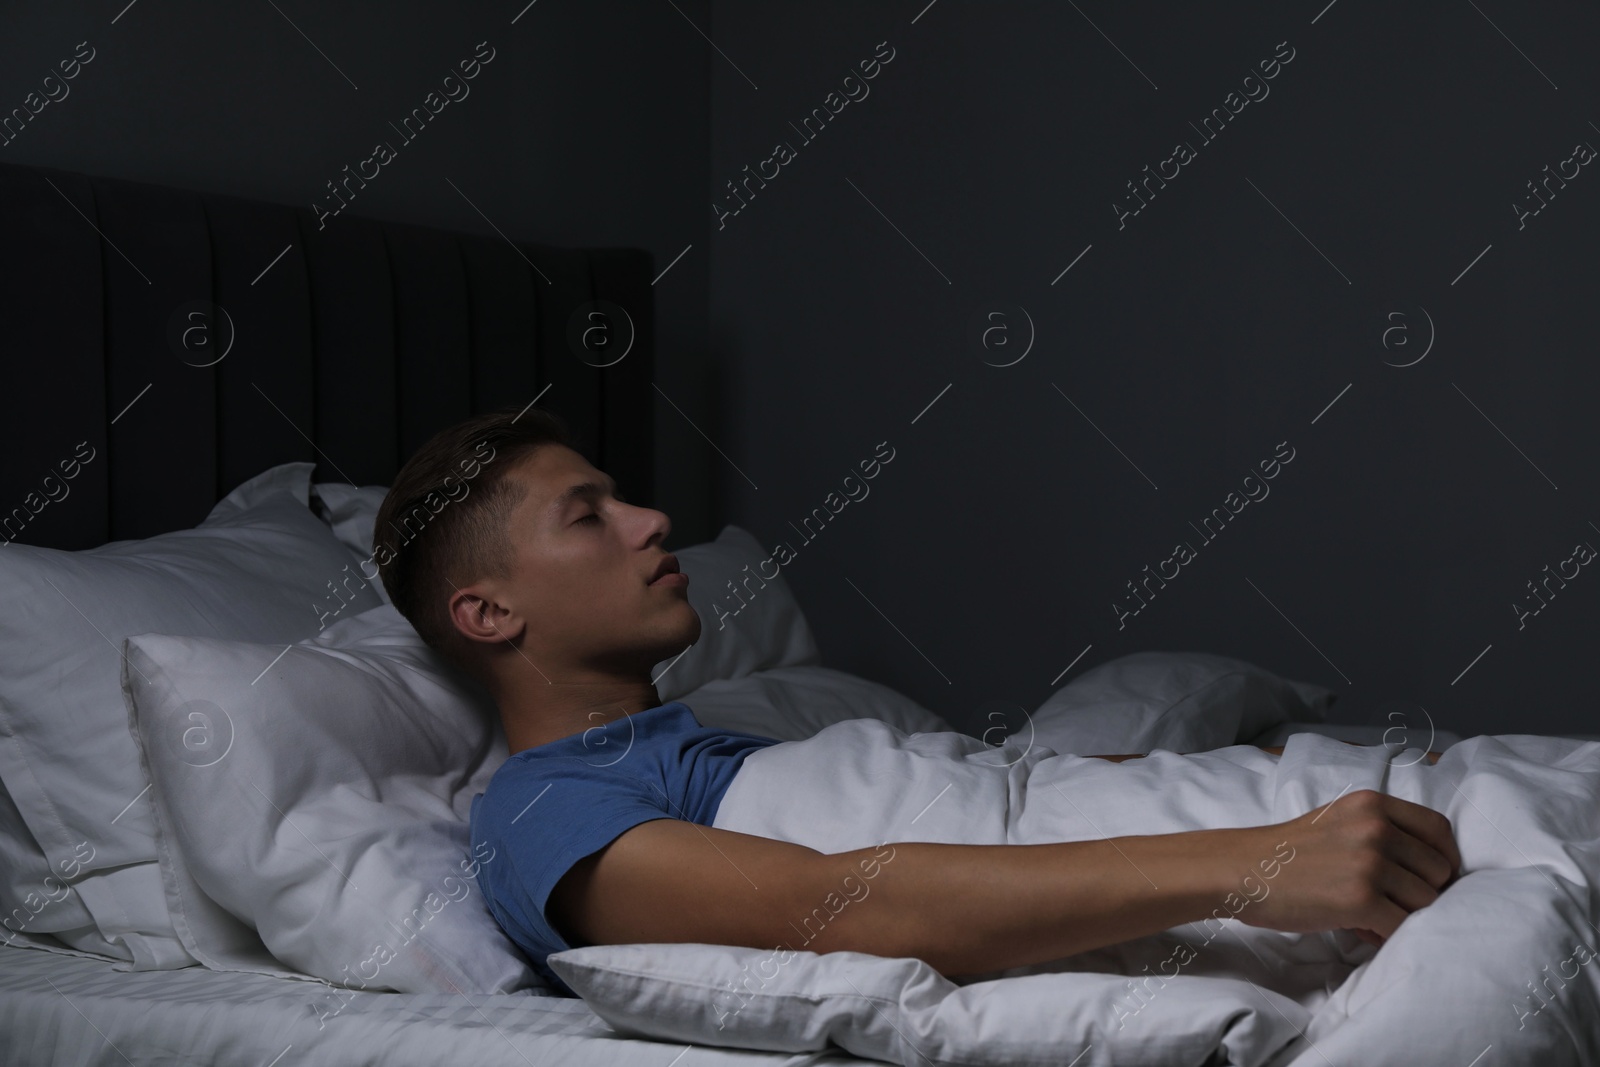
<point>1419,857</point>
<point>1368,936</point>
<point>1384,918</point>
<point>1406,889</point>
<point>1426,824</point>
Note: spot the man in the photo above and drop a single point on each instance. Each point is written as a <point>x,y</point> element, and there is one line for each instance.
<point>547,586</point>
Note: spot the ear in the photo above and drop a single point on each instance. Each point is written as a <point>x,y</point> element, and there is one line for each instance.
<point>479,615</point>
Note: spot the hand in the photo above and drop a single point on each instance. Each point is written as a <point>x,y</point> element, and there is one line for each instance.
<point>1363,862</point>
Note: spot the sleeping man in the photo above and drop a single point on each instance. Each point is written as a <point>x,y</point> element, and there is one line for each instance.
<point>547,586</point>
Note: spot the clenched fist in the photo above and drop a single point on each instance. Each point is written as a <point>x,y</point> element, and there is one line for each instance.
<point>1363,862</point>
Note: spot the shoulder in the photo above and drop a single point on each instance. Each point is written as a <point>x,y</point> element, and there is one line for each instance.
<point>542,795</point>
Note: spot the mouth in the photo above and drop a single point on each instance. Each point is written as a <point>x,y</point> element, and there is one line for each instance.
<point>668,574</point>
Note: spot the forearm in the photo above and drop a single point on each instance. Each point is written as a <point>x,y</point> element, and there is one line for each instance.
<point>974,908</point>
<point>971,909</point>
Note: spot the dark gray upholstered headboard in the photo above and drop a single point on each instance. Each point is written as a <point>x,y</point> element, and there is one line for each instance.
<point>350,345</point>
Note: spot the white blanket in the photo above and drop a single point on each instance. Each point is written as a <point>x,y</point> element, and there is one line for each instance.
<point>1499,963</point>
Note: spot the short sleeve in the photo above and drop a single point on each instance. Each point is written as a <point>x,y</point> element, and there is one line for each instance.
<point>542,816</point>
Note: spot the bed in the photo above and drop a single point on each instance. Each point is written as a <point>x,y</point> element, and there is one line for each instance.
<point>168,346</point>
<point>232,828</point>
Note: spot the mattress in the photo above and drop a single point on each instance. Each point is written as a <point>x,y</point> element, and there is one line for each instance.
<point>72,1011</point>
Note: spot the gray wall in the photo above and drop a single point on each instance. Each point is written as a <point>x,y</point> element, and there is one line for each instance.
<point>1184,345</point>
<point>1180,350</point>
<point>589,127</point>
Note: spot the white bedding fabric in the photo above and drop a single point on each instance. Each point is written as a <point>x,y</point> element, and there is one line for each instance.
<point>1453,975</point>
<point>1454,980</point>
<point>902,1011</point>
<point>61,1011</point>
<point>793,703</point>
<point>254,570</point>
<point>313,800</point>
<point>1182,701</point>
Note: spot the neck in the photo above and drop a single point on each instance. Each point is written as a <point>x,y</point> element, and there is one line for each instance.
<point>535,711</point>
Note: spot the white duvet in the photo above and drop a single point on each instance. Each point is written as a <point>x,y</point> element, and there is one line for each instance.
<point>1500,970</point>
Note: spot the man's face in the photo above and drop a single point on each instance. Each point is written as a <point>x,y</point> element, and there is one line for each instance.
<point>582,564</point>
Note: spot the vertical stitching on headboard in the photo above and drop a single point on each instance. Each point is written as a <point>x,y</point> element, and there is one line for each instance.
<point>105,361</point>
<point>602,457</point>
<point>394,351</point>
<point>538,355</point>
<point>218,411</point>
<point>472,328</point>
<point>298,225</point>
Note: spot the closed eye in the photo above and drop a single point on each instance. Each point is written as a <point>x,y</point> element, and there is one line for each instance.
<point>594,517</point>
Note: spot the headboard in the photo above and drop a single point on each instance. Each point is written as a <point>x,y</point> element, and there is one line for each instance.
<point>193,340</point>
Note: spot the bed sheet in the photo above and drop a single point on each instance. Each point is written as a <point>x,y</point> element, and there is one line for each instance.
<point>67,1011</point>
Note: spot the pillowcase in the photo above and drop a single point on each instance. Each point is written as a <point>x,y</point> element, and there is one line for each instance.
<point>1178,701</point>
<point>748,622</point>
<point>40,908</point>
<point>352,513</point>
<point>794,703</point>
<point>291,478</point>
<point>44,912</point>
<point>313,801</point>
<point>257,568</point>
<point>903,1011</point>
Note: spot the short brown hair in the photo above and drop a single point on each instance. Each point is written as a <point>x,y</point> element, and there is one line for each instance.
<point>428,540</point>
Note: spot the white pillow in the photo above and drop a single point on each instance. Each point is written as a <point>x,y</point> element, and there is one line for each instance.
<point>46,912</point>
<point>352,513</point>
<point>903,1011</point>
<point>748,622</point>
<point>40,907</point>
<point>292,478</point>
<point>257,568</point>
<point>1178,701</point>
<point>324,803</point>
<point>794,703</point>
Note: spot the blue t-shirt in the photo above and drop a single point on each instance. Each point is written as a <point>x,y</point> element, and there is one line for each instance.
<point>549,806</point>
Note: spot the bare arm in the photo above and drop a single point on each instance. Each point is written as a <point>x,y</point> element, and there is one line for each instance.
<point>969,909</point>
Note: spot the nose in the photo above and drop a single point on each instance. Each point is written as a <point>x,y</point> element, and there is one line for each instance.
<point>658,523</point>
